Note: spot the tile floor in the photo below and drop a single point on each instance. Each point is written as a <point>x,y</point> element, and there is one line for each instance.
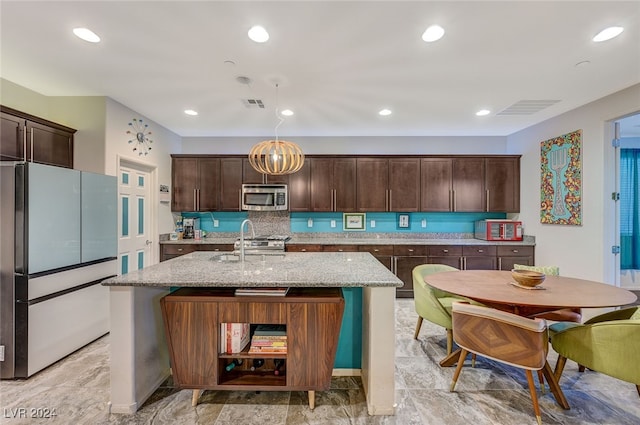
<point>77,388</point>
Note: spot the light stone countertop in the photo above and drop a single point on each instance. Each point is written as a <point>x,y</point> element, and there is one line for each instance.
<point>384,239</point>
<point>322,269</point>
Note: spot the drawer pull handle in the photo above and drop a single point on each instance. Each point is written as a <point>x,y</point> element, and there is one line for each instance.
<point>376,250</point>
<point>340,250</point>
<point>410,250</point>
<point>445,250</point>
<point>514,250</point>
<point>303,250</point>
<point>179,249</point>
<point>481,250</point>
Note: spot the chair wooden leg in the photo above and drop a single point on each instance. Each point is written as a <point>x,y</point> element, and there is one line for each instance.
<point>638,388</point>
<point>449,341</point>
<point>473,360</point>
<point>580,368</point>
<point>559,367</point>
<point>534,396</point>
<point>541,379</point>
<point>456,374</point>
<point>418,326</point>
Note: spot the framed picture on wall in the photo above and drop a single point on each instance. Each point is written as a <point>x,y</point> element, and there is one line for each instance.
<point>353,221</point>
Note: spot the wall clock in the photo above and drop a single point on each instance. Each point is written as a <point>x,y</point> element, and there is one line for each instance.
<point>140,140</point>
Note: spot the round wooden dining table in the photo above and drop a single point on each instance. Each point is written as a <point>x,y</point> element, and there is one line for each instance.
<point>496,289</point>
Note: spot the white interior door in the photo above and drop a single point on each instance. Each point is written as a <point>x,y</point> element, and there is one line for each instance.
<point>134,218</point>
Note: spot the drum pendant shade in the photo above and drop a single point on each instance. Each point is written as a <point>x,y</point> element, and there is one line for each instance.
<point>276,157</point>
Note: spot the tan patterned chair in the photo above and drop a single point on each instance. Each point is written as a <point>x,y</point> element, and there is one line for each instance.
<point>506,338</point>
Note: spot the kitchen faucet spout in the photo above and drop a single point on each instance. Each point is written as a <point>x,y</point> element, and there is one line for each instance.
<point>249,223</point>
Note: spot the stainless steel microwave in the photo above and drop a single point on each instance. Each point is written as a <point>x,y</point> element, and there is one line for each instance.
<point>264,197</point>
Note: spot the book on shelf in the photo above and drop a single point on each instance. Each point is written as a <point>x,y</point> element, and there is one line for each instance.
<point>264,329</point>
<point>234,337</point>
<point>270,291</point>
<point>267,350</point>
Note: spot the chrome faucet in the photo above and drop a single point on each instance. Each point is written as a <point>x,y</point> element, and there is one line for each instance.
<point>253,235</point>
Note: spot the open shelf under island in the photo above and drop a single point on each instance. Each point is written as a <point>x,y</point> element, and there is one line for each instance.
<point>142,348</point>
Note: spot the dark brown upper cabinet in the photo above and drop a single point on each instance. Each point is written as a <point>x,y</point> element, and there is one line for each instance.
<point>28,138</point>
<point>502,183</point>
<point>195,183</point>
<point>333,184</point>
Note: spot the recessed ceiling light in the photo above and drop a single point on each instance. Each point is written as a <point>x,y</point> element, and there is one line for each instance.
<point>258,34</point>
<point>86,34</point>
<point>287,112</point>
<point>385,112</point>
<point>608,34</point>
<point>483,112</point>
<point>190,112</point>
<point>433,33</point>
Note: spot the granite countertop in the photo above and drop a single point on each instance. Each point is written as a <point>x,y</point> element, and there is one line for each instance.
<point>322,269</point>
<point>369,239</point>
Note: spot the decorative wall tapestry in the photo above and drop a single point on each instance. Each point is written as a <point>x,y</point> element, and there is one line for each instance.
<point>561,180</point>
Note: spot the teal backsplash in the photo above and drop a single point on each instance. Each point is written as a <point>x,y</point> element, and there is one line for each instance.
<point>384,222</point>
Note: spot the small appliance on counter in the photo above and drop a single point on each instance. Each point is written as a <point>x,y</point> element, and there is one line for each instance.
<point>264,243</point>
<point>498,230</point>
<point>191,226</point>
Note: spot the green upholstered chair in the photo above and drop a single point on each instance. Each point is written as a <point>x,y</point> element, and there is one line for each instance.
<point>608,343</point>
<point>561,315</point>
<point>431,303</point>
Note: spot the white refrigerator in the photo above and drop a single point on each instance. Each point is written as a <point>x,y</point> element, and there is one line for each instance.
<point>58,232</point>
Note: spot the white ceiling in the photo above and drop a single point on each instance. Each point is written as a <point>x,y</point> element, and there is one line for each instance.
<point>336,62</point>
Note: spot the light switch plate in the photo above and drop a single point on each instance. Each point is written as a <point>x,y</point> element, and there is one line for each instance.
<point>310,222</point>
<point>333,223</point>
<point>403,221</point>
<point>373,223</point>
<point>423,223</point>
<point>216,223</point>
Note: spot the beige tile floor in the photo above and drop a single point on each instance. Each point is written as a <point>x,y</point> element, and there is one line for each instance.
<point>77,388</point>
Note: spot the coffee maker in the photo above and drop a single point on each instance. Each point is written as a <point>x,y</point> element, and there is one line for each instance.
<point>190,227</point>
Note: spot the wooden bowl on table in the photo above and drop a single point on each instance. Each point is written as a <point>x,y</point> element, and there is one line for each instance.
<point>528,278</point>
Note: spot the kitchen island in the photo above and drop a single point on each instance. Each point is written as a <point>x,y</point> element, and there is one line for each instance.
<point>139,355</point>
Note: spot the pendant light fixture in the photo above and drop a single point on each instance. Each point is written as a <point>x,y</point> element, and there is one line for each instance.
<point>276,157</point>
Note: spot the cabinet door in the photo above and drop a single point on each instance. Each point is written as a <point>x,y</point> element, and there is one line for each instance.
<point>48,145</point>
<point>231,173</point>
<point>508,255</point>
<point>184,180</point>
<point>11,138</point>
<point>436,177</point>
<point>321,187</point>
<point>468,185</point>
<point>404,271</point>
<point>208,184</point>
<point>482,257</point>
<point>251,176</point>
<point>372,184</point>
<point>404,184</point>
<point>344,184</point>
<point>192,330</point>
<point>502,183</point>
<point>300,189</point>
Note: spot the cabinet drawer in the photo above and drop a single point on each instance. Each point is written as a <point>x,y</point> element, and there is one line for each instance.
<point>379,250</point>
<point>445,250</point>
<point>515,251</point>
<point>340,248</point>
<point>479,251</point>
<point>215,247</point>
<point>252,312</point>
<point>410,250</point>
<point>177,249</point>
<point>304,248</point>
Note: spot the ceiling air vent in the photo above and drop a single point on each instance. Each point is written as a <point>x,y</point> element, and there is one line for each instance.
<point>527,107</point>
<point>253,103</point>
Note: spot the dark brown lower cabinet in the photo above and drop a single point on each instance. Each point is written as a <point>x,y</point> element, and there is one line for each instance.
<point>508,255</point>
<point>312,318</point>
<point>169,251</point>
<point>406,257</point>
<point>383,253</point>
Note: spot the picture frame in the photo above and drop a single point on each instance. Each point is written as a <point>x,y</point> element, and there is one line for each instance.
<point>354,221</point>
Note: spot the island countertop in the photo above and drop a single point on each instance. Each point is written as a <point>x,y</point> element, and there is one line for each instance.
<point>208,269</point>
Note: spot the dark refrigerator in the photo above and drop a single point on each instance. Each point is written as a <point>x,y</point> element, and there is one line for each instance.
<point>58,235</point>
